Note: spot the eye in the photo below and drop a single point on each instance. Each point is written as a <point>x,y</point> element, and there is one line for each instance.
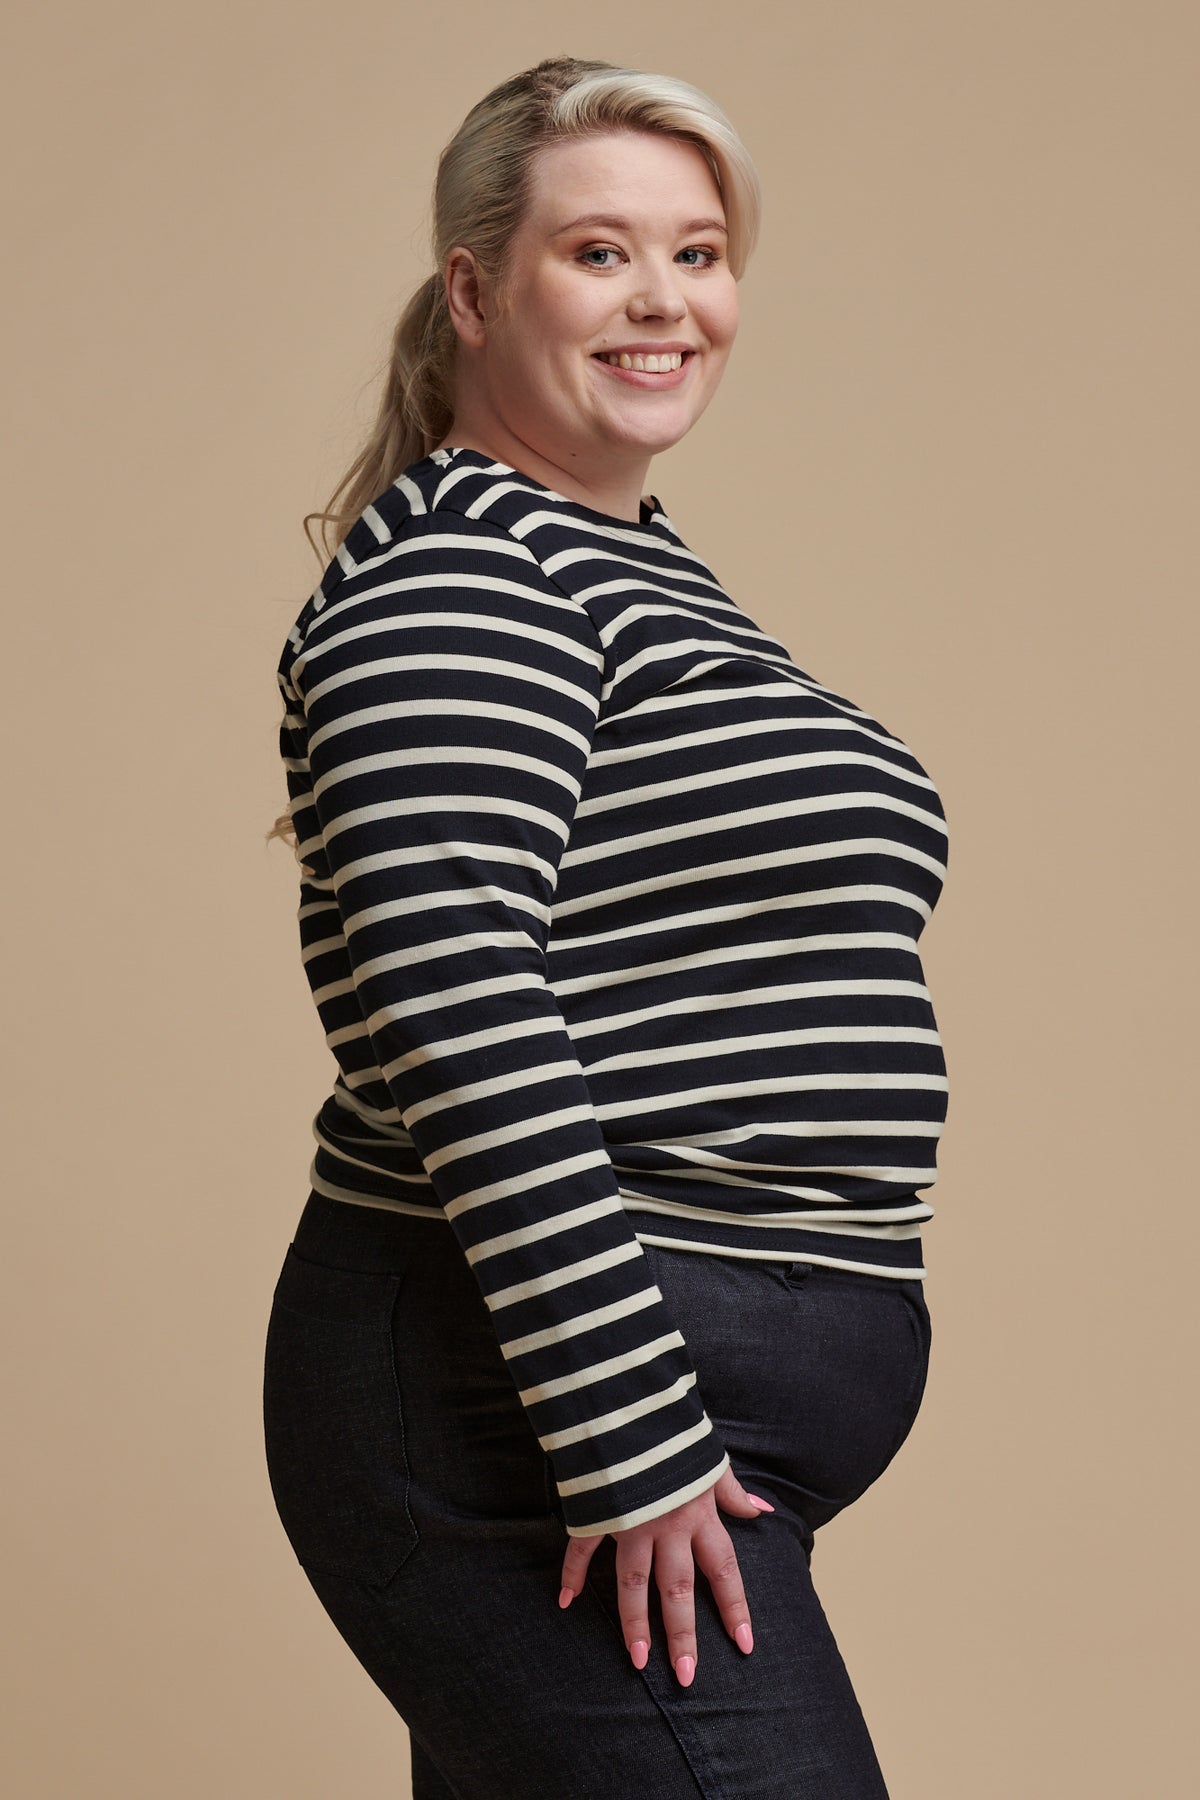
<point>591,255</point>
<point>598,250</point>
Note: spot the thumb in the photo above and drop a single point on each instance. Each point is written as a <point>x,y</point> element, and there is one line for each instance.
<point>732,1496</point>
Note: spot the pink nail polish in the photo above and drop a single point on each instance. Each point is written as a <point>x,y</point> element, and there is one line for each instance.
<point>685,1669</point>
<point>765,1504</point>
<point>640,1653</point>
<point>565,1596</point>
<point>743,1637</point>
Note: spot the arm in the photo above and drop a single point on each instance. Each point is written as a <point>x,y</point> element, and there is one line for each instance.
<point>451,692</point>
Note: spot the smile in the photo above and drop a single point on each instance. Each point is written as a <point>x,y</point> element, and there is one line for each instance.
<point>620,359</point>
<point>666,370</point>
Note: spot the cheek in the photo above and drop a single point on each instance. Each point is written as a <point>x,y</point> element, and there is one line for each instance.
<point>725,320</point>
<point>564,317</point>
<point>533,361</point>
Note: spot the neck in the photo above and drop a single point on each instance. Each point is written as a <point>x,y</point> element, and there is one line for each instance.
<point>605,486</point>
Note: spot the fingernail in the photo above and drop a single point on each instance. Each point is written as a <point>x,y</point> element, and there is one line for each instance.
<point>640,1653</point>
<point>765,1504</point>
<point>685,1668</point>
<point>743,1637</point>
<point>565,1596</point>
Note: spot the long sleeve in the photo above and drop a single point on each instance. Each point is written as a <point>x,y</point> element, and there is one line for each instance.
<point>450,692</point>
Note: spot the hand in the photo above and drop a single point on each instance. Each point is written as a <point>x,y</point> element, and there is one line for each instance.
<point>670,1544</point>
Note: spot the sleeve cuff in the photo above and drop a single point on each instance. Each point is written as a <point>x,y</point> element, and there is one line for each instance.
<point>579,1511</point>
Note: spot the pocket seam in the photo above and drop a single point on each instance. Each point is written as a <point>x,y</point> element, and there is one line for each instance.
<point>414,1530</point>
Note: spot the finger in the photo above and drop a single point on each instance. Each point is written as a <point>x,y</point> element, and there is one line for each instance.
<point>578,1555</point>
<point>731,1496</point>
<point>675,1573</point>
<point>634,1561</point>
<point>717,1560</point>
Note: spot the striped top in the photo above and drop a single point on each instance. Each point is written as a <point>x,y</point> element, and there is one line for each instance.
<point>610,915</point>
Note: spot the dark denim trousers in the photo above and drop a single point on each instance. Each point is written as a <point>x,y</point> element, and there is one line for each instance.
<point>422,1509</point>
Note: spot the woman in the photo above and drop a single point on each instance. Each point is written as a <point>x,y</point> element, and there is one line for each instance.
<point>610,915</point>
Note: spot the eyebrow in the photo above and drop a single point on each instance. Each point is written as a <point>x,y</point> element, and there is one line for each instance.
<point>618,224</point>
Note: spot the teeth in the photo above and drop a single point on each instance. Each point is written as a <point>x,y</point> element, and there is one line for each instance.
<point>653,365</point>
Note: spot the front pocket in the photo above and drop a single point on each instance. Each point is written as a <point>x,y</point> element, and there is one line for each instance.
<point>334,1420</point>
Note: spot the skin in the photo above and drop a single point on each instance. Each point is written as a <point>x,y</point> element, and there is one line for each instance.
<point>530,392</point>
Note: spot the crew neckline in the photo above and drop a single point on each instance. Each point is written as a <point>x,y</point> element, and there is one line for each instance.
<point>648,508</point>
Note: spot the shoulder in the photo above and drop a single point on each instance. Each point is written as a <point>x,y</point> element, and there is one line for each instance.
<point>443,537</point>
<point>443,575</point>
<point>383,559</point>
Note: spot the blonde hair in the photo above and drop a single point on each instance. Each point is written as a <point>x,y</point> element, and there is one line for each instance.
<point>479,198</point>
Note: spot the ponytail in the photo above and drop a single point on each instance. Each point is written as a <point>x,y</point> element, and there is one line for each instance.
<point>416,409</point>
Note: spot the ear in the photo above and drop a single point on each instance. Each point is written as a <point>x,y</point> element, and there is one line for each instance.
<point>464,296</point>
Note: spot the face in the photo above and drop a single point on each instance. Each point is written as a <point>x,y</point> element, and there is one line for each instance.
<point>621,255</point>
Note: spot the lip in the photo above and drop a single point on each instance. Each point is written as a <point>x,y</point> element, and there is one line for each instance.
<point>647,378</point>
<point>660,349</point>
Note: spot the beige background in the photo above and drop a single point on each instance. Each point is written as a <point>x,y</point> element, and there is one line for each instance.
<point>954,466</point>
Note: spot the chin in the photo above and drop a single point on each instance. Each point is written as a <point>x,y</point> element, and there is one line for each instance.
<point>653,436</point>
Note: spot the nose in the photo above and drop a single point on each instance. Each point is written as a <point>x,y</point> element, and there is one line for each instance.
<point>661,295</point>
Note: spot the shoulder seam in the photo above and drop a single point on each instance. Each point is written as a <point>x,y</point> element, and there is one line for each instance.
<point>607,674</point>
<point>491,528</point>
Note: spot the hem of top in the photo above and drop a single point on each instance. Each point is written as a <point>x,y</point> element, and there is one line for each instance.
<point>870,1251</point>
<point>654,1508</point>
<point>900,1258</point>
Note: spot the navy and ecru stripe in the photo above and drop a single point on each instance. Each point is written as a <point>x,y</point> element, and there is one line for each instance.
<point>611,921</point>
